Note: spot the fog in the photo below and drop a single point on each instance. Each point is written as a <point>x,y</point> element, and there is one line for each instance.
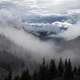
<point>28,41</point>
<point>72,32</point>
<point>11,25</point>
<point>39,48</point>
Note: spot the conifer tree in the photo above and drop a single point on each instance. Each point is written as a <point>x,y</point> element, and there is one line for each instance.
<point>70,69</point>
<point>17,78</point>
<point>66,63</point>
<point>60,67</point>
<point>26,75</point>
<point>42,74</point>
<point>78,71</point>
<point>75,71</point>
<point>9,77</point>
<point>35,75</point>
<point>52,70</point>
<point>68,73</point>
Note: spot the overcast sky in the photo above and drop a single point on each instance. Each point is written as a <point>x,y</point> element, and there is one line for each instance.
<point>48,6</point>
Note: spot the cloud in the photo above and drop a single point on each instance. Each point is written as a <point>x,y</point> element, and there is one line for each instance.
<point>27,41</point>
<point>47,7</point>
<point>72,32</point>
<point>57,6</point>
<point>7,18</point>
<point>10,17</point>
<point>13,11</point>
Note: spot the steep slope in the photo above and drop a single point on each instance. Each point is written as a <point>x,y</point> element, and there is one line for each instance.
<point>70,49</point>
<point>8,57</point>
<point>14,57</point>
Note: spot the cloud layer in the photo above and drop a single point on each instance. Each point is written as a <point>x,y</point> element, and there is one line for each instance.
<point>15,14</point>
<point>47,7</point>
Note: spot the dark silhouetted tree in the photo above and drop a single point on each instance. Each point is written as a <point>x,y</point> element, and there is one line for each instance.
<point>75,71</point>
<point>78,71</point>
<point>35,75</point>
<point>25,75</point>
<point>52,70</point>
<point>17,78</point>
<point>9,77</point>
<point>66,63</point>
<point>60,68</point>
<point>42,74</point>
<point>68,73</point>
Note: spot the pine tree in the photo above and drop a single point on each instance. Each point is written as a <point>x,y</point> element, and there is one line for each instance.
<point>9,77</point>
<point>17,78</point>
<point>52,70</point>
<point>60,67</point>
<point>66,63</point>
<point>42,74</point>
<point>70,69</point>
<point>75,70</point>
<point>68,73</point>
<point>78,71</point>
<point>35,75</point>
<point>25,75</point>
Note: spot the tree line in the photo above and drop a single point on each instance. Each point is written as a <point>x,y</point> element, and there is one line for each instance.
<point>50,71</point>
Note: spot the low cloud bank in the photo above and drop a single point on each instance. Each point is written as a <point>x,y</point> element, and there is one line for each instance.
<point>28,41</point>
<point>72,32</point>
<point>11,26</point>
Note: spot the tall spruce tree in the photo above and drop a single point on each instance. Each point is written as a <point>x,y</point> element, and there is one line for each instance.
<point>52,70</point>
<point>75,71</point>
<point>17,78</point>
<point>9,77</point>
<point>60,68</point>
<point>78,71</point>
<point>42,74</point>
<point>26,75</point>
<point>68,73</point>
<point>35,75</point>
<point>66,63</point>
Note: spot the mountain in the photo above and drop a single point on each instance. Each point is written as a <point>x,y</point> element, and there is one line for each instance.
<point>70,49</point>
<point>44,19</point>
<point>8,57</point>
<point>14,57</point>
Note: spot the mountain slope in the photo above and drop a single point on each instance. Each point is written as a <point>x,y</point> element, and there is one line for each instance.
<point>70,49</point>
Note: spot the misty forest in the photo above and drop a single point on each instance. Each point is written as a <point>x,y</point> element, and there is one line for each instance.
<point>49,71</point>
<point>39,39</point>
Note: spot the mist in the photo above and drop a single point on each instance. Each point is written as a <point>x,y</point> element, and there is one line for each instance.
<point>11,25</point>
<point>38,48</point>
<point>28,41</point>
<point>72,32</point>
